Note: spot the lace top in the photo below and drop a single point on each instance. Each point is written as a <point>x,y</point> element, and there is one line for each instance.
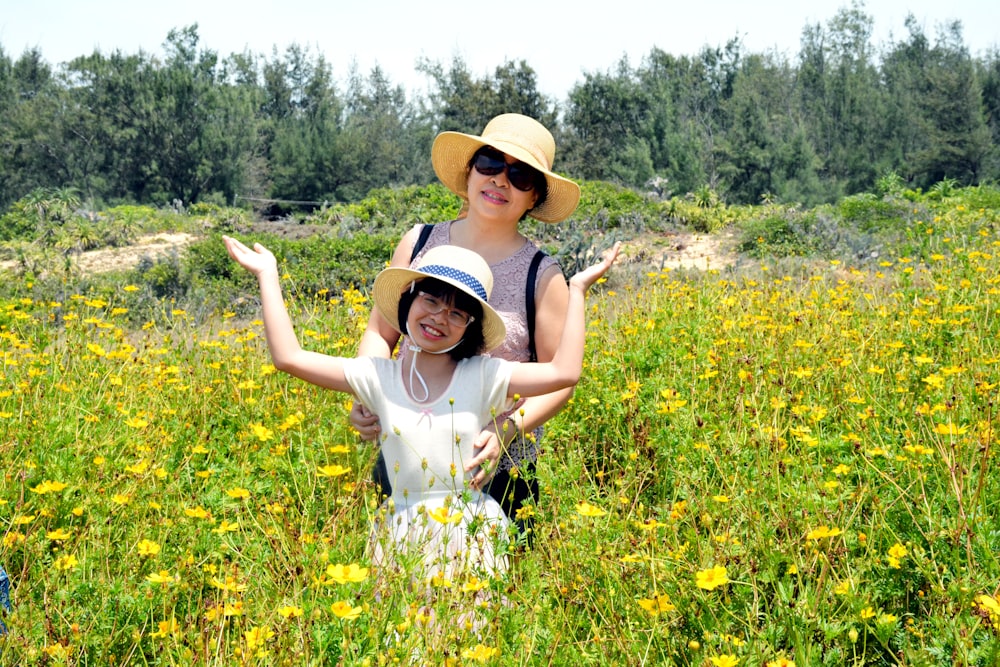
<point>510,277</point>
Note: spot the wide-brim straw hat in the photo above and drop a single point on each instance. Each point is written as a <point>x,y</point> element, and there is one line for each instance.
<point>462,268</point>
<point>522,138</point>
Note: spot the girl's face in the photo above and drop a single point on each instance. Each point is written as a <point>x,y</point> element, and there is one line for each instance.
<point>493,195</point>
<point>434,323</point>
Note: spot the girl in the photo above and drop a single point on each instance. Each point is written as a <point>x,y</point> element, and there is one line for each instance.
<point>432,403</point>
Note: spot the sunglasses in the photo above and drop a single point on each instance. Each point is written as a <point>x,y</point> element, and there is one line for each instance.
<point>520,175</point>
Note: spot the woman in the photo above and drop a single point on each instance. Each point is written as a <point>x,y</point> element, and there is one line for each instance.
<point>502,176</point>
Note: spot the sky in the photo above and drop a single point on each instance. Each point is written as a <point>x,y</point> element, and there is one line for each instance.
<point>559,40</point>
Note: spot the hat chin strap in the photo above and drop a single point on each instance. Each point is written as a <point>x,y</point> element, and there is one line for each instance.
<point>416,349</point>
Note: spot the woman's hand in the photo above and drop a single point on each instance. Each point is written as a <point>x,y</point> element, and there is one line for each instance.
<point>257,261</point>
<point>489,446</point>
<point>365,423</point>
<point>584,279</point>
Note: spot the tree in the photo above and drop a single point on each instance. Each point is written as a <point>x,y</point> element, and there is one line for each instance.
<point>608,116</point>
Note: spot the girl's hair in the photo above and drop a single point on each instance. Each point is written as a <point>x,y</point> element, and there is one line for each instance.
<point>541,185</point>
<point>473,340</point>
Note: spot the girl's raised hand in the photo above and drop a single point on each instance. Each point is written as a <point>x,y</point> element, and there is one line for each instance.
<point>584,279</point>
<point>256,261</point>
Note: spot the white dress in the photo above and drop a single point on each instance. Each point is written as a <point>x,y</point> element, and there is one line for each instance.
<point>432,515</point>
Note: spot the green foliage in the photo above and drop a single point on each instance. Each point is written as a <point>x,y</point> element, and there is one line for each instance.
<point>869,211</point>
<point>774,236</point>
<point>755,464</point>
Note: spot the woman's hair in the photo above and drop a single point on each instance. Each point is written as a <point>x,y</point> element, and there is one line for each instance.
<point>473,340</point>
<point>541,185</point>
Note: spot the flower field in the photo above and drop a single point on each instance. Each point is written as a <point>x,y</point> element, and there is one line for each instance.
<point>789,463</point>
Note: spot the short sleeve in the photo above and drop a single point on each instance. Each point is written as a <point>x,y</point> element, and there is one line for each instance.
<point>361,374</point>
<point>496,379</point>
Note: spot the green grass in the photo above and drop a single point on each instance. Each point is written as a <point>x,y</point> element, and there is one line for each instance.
<point>815,447</point>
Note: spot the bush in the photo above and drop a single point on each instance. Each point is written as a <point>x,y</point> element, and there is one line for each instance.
<point>868,211</point>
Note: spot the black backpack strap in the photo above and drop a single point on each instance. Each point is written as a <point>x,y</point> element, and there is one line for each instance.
<point>529,302</point>
<point>425,233</point>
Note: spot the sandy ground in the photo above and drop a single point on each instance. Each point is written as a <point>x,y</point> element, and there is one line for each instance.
<point>676,250</point>
<point>153,246</point>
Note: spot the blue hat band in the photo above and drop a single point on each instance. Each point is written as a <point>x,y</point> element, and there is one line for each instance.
<point>466,279</point>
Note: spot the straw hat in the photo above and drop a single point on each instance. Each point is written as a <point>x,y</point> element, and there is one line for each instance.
<point>461,268</point>
<point>522,138</point>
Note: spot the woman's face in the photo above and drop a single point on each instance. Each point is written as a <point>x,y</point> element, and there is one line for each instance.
<point>493,196</point>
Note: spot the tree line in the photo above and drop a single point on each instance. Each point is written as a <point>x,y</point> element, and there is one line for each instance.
<point>193,126</point>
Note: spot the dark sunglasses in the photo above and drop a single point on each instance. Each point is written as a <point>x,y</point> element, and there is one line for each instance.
<point>520,175</point>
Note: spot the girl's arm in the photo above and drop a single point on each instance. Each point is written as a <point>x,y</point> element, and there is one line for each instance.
<point>286,353</point>
<point>567,363</point>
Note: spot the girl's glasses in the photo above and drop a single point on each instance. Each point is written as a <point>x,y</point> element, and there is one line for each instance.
<point>520,175</point>
<point>434,305</point>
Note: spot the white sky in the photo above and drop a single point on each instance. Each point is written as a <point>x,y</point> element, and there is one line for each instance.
<point>560,40</point>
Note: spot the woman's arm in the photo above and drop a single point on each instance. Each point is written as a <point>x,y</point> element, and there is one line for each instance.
<point>553,295</point>
<point>566,365</point>
<point>550,308</point>
<point>379,339</point>
<point>286,353</point>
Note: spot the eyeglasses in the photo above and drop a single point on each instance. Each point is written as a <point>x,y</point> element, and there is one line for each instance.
<point>434,305</point>
<point>521,176</point>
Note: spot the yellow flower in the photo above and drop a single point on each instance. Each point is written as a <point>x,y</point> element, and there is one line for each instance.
<point>473,584</point>
<point>261,432</point>
<point>343,574</point>
<point>148,548</point>
<point>586,509</point>
<point>897,550</point>
<point>724,660</point>
<point>58,535</point>
<point>230,585</point>
<point>446,516</point>
<point>225,527</point>
<point>68,562</point>
<point>257,637</point>
<point>649,524</point>
<point>823,532</point>
<point>480,653</point>
<point>867,613</point>
<point>332,470</point>
<point>168,627</point>
<point>781,662</point>
<point>48,486</point>
<point>196,512</point>
<point>238,493</point>
<point>721,499</point>
<point>950,429</point>
<point>711,578</point>
<point>163,577</point>
<point>524,512</point>
<point>343,609</point>
<point>657,605</point>
<point>289,611</point>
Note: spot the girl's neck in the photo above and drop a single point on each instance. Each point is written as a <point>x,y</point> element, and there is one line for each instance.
<point>436,370</point>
